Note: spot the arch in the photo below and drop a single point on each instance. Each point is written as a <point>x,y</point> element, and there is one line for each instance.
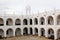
<point>1,22</point>
<point>9,32</point>
<point>1,33</point>
<point>58,20</point>
<point>42,32</point>
<point>18,22</point>
<point>9,21</point>
<point>30,21</point>
<point>25,31</point>
<point>42,21</point>
<point>58,33</point>
<point>50,33</point>
<point>36,31</point>
<point>31,30</point>
<point>50,20</point>
<point>18,32</point>
<point>35,21</point>
<point>25,22</point>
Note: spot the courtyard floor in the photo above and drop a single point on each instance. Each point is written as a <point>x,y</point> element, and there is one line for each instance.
<point>26,38</point>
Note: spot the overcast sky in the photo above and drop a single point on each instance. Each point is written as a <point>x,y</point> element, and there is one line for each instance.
<point>36,5</point>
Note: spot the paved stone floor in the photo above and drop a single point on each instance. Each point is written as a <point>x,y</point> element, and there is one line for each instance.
<point>26,38</point>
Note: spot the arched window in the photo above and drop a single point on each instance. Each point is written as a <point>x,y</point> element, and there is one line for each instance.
<point>9,21</point>
<point>42,21</point>
<point>25,22</point>
<point>18,22</point>
<point>31,31</point>
<point>51,33</point>
<point>25,31</point>
<point>58,33</point>
<point>36,31</point>
<point>1,22</point>
<point>42,32</point>
<point>50,20</point>
<point>58,20</point>
<point>18,32</point>
<point>35,21</point>
<point>30,21</point>
<point>9,32</point>
<point>1,33</point>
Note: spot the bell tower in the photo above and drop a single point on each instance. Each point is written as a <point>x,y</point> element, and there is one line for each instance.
<point>28,10</point>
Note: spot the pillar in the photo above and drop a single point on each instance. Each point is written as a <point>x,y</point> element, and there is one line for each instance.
<point>4,22</point>
<point>4,33</point>
<point>13,22</point>
<point>22,22</point>
<point>33,21</point>
<point>39,32</point>
<point>33,31</point>
<point>13,32</point>
<point>46,33</point>
<point>21,31</point>
<point>28,30</point>
<point>46,23</point>
<point>55,34</point>
<point>22,26</point>
<point>55,20</point>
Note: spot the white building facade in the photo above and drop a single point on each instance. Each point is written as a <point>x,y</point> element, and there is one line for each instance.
<point>43,24</point>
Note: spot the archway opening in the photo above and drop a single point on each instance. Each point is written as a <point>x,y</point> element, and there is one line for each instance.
<point>50,20</point>
<point>42,32</point>
<point>42,21</point>
<point>35,21</point>
<point>58,20</point>
<point>1,33</point>
<point>36,31</point>
<point>18,32</point>
<point>9,21</point>
<point>31,31</point>
<point>9,33</point>
<point>25,22</point>
<point>18,22</point>
<point>30,21</point>
<point>25,31</point>
<point>58,34</point>
<point>1,22</point>
<point>51,34</point>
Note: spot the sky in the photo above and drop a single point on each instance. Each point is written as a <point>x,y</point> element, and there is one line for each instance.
<point>36,5</point>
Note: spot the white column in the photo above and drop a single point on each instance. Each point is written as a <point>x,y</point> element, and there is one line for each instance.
<point>13,32</point>
<point>4,22</point>
<point>46,33</point>
<point>39,32</point>
<point>55,34</point>
<point>33,21</point>
<point>33,31</point>
<point>22,26</point>
<point>21,31</point>
<point>4,33</point>
<point>55,21</point>
<point>22,22</point>
<point>28,25</point>
<point>28,21</point>
<point>13,22</point>
<point>33,26</point>
<point>28,30</point>
<point>46,23</point>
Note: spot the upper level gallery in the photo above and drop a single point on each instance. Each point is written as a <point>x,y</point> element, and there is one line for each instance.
<point>44,18</point>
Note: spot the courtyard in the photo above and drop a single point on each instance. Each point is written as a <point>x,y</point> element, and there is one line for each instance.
<point>28,37</point>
